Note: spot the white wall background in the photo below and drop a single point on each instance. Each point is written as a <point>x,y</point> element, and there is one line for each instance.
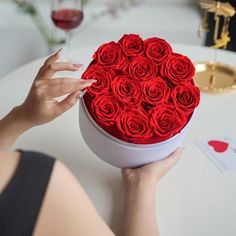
<point>20,42</point>
<point>147,1</point>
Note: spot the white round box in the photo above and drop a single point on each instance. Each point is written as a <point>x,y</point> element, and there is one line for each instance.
<point>120,153</point>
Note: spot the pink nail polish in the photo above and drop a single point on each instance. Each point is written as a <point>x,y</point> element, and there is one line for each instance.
<point>58,51</point>
<point>78,65</point>
<point>89,81</point>
<point>77,95</point>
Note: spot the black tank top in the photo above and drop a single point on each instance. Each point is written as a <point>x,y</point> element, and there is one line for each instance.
<point>21,200</point>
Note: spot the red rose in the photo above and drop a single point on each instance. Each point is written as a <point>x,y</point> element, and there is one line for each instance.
<point>141,68</point>
<point>155,91</point>
<point>157,49</point>
<point>134,126</point>
<point>185,97</point>
<point>110,54</point>
<point>132,45</point>
<point>178,69</point>
<point>144,92</point>
<point>165,121</point>
<point>105,109</point>
<point>103,76</point>
<point>126,89</point>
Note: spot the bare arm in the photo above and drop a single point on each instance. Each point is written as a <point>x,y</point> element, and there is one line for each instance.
<point>70,212</point>
<point>68,209</point>
<point>11,127</point>
<point>139,217</point>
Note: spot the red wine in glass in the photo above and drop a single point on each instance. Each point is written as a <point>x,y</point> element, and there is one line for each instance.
<point>67,15</point>
<point>67,19</point>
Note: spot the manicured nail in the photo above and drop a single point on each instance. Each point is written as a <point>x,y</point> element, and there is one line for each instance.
<point>81,94</point>
<point>77,95</point>
<point>58,51</point>
<point>89,81</point>
<point>78,65</point>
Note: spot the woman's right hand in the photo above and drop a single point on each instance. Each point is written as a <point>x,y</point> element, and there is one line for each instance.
<point>150,173</point>
<point>40,106</point>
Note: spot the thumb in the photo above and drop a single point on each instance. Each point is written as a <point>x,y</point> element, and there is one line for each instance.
<point>171,160</point>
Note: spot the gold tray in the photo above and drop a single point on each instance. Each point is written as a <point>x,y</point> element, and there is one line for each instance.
<point>215,77</point>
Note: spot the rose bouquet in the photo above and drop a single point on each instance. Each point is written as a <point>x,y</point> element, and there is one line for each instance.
<point>144,94</point>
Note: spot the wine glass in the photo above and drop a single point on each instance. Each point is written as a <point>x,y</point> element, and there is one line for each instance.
<point>67,15</point>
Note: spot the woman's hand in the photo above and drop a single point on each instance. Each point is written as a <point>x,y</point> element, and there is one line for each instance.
<point>40,106</point>
<point>152,172</point>
<point>139,214</point>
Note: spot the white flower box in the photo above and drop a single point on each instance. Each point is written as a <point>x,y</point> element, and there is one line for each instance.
<point>120,153</point>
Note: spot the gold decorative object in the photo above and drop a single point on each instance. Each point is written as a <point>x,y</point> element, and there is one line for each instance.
<point>220,9</point>
<point>213,76</point>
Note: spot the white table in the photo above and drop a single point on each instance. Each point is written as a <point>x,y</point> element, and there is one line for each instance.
<point>193,199</point>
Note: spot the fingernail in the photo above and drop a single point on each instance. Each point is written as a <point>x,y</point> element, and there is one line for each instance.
<point>78,65</point>
<point>89,81</point>
<point>58,51</point>
<point>183,149</point>
<point>81,94</point>
<point>77,95</point>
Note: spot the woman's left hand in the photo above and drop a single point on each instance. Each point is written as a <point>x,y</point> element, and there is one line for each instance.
<point>40,106</point>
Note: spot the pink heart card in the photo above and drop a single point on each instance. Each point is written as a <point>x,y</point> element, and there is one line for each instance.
<point>221,151</point>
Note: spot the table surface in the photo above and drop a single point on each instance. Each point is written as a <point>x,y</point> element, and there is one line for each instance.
<point>195,198</point>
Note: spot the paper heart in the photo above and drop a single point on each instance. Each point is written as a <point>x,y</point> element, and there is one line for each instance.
<point>218,146</point>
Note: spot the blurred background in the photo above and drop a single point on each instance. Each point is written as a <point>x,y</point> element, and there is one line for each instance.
<point>104,20</point>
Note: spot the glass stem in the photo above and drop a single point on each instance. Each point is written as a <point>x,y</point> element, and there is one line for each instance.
<point>68,46</point>
<point>68,40</point>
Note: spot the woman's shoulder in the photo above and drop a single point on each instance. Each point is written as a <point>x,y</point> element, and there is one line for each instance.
<point>68,209</point>
<point>8,154</point>
<point>65,204</point>
<point>11,161</point>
